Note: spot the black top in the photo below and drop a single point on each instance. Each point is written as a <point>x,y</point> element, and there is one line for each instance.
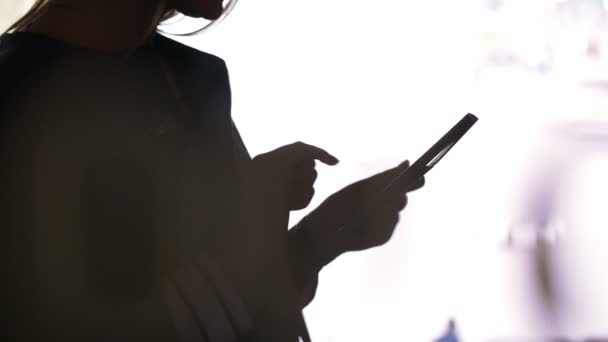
<point>121,200</point>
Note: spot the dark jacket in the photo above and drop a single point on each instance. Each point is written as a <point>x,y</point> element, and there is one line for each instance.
<point>121,202</point>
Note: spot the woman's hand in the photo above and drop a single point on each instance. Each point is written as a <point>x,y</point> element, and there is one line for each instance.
<point>276,182</point>
<point>289,172</point>
<point>360,216</point>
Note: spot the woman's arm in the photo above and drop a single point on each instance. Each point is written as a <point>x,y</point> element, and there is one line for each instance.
<point>303,260</point>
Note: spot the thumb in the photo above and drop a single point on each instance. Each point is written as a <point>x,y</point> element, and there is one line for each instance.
<point>394,172</point>
<point>384,178</point>
<point>403,166</point>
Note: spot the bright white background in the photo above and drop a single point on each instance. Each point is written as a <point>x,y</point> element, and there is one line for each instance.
<point>377,82</point>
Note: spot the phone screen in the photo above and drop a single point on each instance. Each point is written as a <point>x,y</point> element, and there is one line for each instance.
<point>434,154</point>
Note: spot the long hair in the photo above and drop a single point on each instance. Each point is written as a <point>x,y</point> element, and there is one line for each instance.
<point>40,7</point>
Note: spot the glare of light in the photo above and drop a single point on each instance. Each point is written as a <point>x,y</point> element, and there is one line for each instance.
<point>375,89</point>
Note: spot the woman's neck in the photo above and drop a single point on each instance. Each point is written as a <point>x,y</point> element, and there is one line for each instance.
<point>107,27</point>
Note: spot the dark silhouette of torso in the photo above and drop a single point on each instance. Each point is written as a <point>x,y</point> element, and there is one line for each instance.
<point>111,180</point>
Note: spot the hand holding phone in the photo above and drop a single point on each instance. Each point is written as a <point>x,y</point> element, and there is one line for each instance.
<point>362,215</point>
<point>434,154</point>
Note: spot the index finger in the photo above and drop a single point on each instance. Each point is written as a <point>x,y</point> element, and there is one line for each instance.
<point>316,153</point>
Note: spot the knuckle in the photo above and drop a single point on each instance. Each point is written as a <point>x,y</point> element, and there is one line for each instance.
<point>387,234</point>
<point>304,199</point>
<point>294,146</point>
<point>310,194</point>
<point>399,202</point>
<point>298,206</point>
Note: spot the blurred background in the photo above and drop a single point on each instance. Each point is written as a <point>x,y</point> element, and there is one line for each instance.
<point>508,238</point>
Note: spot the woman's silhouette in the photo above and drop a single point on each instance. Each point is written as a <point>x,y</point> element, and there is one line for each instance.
<point>130,208</point>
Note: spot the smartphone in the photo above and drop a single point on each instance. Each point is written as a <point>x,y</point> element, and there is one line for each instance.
<point>434,154</point>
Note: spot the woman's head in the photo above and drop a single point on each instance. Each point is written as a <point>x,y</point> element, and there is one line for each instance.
<point>164,9</point>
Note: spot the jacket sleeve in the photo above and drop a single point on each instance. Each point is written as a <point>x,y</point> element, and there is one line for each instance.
<point>304,271</point>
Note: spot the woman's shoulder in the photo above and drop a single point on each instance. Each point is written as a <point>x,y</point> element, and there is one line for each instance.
<point>171,45</point>
<point>186,56</point>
